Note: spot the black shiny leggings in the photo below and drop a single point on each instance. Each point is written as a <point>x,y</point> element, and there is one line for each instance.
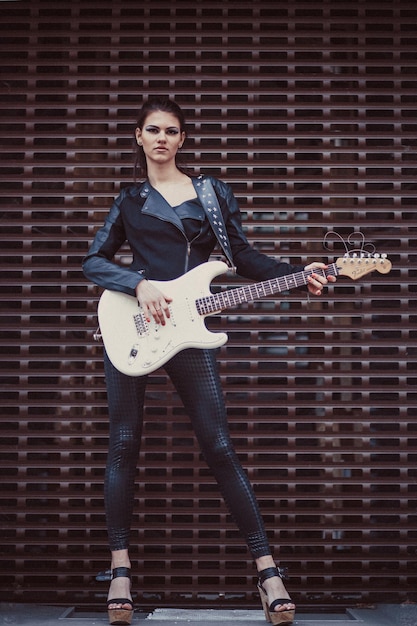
<point>194,373</point>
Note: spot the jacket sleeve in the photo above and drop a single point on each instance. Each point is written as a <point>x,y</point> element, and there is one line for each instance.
<point>99,266</point>
<point>249,262</point>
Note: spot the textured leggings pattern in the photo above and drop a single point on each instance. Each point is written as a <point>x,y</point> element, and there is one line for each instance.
<point>194,374</point>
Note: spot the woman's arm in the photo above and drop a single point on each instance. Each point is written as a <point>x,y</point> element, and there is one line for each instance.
<point>251,263</point>
<point>98,265</point>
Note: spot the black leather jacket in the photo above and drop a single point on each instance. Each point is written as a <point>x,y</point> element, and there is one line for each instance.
<point>159,245</point>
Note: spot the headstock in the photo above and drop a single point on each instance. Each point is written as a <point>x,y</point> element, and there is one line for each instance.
<point>357,265</point>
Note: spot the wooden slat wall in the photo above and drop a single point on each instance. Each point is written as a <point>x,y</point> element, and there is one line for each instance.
<point>309,111</point>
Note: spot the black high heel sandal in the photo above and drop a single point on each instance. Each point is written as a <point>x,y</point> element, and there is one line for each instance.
<point>120,616</point>
<point>271,615</point>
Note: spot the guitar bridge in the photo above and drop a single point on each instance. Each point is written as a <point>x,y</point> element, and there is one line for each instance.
<point>140,324</point>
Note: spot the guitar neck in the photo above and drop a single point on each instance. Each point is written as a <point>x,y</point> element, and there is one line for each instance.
<point>256,291</point>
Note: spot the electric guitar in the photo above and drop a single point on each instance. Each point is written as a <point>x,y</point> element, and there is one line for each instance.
<point>137,346</point>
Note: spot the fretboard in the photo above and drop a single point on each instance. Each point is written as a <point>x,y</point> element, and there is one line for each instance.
<point>256,291</point>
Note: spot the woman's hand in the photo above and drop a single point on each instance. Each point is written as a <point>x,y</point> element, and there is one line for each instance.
<point>153,302</point>
<point>316,282</point>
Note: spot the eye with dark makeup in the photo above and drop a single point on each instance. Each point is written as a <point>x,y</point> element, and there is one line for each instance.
<point>155,129</point>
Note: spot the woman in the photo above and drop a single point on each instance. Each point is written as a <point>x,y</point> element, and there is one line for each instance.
<point>169,233</point>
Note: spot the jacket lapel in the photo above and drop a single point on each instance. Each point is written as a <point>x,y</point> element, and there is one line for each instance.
<point>156,205</point>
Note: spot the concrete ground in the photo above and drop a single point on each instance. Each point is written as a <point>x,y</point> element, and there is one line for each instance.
<point>39,615</point>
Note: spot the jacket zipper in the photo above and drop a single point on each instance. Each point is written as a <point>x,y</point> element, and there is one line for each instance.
<point>187,260</point>
<point>189,244</point>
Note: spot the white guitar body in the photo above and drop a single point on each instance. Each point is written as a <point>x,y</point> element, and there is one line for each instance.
<point>136,346</point>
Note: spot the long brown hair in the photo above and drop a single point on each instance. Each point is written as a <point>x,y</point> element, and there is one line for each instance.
<point>156,104</point>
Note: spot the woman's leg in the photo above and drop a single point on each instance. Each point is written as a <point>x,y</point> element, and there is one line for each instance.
<point>195,375</point>
<point>125,396</point>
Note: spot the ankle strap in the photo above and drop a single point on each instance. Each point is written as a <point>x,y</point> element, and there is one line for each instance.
<point>119,572</point>
<point>269,572</point>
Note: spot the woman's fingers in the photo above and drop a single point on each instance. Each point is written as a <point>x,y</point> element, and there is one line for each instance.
<point>153,302</point>
<point>316,281</point>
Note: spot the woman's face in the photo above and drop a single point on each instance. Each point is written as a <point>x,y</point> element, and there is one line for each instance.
<point>161,137</point>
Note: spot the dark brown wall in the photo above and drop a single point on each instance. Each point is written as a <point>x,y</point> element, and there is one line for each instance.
<point>309,111</point>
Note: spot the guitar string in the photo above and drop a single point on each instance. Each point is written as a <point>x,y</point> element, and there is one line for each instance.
<point>231,297</point>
